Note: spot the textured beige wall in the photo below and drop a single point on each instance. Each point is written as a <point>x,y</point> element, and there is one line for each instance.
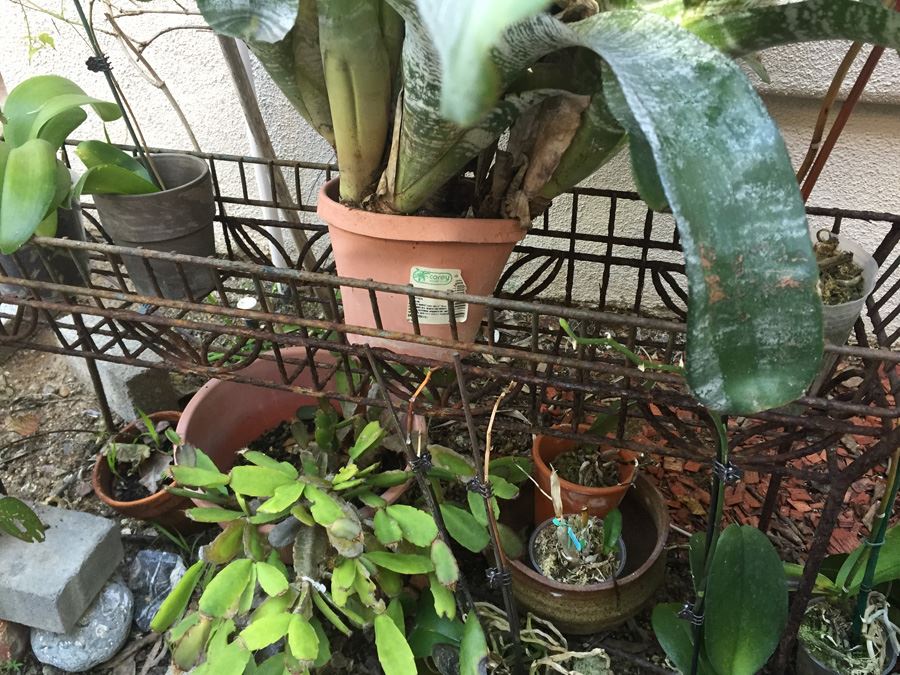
<point>863,173</point>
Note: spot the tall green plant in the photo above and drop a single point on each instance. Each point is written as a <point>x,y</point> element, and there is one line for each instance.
<point>657,75</point>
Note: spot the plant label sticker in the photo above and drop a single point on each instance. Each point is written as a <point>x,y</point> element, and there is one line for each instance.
<point>432,311</point>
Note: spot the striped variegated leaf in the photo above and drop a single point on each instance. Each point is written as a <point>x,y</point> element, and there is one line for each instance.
<point>267,21</point>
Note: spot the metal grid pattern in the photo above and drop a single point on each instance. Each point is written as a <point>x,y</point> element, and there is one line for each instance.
<point>629,255</point>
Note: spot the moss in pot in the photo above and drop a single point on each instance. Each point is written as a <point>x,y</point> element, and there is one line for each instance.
<point>579,549</point>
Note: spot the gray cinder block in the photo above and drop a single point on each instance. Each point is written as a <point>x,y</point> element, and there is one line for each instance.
<point>50,584</point>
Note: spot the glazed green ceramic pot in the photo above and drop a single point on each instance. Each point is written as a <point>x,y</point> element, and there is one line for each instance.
<point>582,610</point>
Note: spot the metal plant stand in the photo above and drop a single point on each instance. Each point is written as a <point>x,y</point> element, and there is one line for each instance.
<point>297,313</point>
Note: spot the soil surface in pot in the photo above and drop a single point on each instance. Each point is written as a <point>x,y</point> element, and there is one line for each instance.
<point>840,278</point>
<point>556,556</point>
<point>587,466</point>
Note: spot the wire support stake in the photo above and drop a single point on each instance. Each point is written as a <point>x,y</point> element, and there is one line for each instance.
<point>497,578</point>
<point>480,487</point>
<point>422,462</point>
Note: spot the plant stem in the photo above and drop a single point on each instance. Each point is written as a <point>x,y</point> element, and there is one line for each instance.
<point>716,508</point>
<point>874,542</point>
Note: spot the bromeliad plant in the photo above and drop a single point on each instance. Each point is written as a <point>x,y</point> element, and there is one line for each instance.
<point>415,94</point>
<point>352,554</point>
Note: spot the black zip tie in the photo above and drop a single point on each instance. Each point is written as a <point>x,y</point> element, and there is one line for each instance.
<point>497,577</point>
<point>98,64</point>
<point>687,613</point>
<point>480,487</point>
<point>422,463</point>
<point>728,473</point>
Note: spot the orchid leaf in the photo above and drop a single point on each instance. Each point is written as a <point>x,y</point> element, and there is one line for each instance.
<point>267,21</point>
<point>29,187</point>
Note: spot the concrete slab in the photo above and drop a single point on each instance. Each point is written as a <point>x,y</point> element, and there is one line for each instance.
<point>128,388</point>
<point>50,584</point>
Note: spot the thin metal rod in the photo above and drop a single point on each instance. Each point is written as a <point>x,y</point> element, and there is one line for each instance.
<point>499,557</point>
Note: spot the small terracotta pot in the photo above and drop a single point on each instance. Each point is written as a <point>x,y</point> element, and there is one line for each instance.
<point>599,501</point>
<point>223,417</point>
<point>582,610</point>
<point>163,508</point>
<point>394,249</point>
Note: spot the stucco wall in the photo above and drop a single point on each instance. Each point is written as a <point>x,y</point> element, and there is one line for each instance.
<point>863,172</point>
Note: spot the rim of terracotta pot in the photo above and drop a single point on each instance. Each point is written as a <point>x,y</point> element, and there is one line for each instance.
<point>661,536</point>
<point>102,472</point>
<point>414,228</point>
<point>149,196</point>
<point>626,457</point>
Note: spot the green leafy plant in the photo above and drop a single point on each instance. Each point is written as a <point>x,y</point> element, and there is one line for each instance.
<point>18,520</point>
<point>352,552</point>
<point>413,94</point>
<point>38,116</point>
<point>147,457</point>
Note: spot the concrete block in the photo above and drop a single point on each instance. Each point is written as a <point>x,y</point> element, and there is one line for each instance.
<point>50,584</point>
<point>128,388</point>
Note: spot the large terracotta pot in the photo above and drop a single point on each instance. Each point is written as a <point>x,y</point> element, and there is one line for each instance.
<point>465,255</point>
<point>599,501</point>
<point>223,417</point>
<point>582,610</point>
<point>163,508</point>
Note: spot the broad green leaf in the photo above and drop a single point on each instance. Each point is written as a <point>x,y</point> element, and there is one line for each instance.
<point>249,20</point>
<point>285,497</point>
<point>511,542</point>
<point>262,459</point>
<point>98,153</point>
<point>387,479</point>
<point>222,595</point>
<point>213,514</point>
<point>456,463</point>
<point>303,640</point>
<point>257,481</point>
<point>464,33</point>
<point>794,572</point>
<point>48,125</point>
<point>473,649</point>
<point>368,438</point>
<point>29,186</point>
<point>26,101</point>
<point>178,598</point>
<point>342,580</point>
<point>326,426</point>
<point>346,473</point>
<point>109,179</point>
<point>394,653</point>
<point>325,508</point>
<point>271,579</point>
<point>19,521</point>
<point>395,611</point>
<point>476,506</point>
<point>444,602</point>
<point>612,529</point>
<point>746,602</point>
<point>266,631</point>
<point>195,477</point>
<point>430,629</point>
<point>324,655</point>
<point>330,614</point>
<point>446,569</point>
<point>463,527</point>
<point>403,563</point>
<point>371,500</point>
<point>502,488</point>
<point>225,546</point>
<point>418,526</point>
<point>674,636</point>
<point>387,530</point>
<point>513,469</point>
<point>365,588</point>
<point>278,604</point>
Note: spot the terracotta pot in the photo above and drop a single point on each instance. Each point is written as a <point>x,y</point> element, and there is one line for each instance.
<point>464,255</point>
<point>162,507</point>
<point>582,610</point>
<point>223,417</point>
<point>599,501</point>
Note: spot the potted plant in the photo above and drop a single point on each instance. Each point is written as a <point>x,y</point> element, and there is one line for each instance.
<point>130,474</point>
<point>847,275</point>
<point>826,643</point>
<point>35,186</point>
<point>168,207</point>
<point>441,83</point>
<point>352,555</point>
